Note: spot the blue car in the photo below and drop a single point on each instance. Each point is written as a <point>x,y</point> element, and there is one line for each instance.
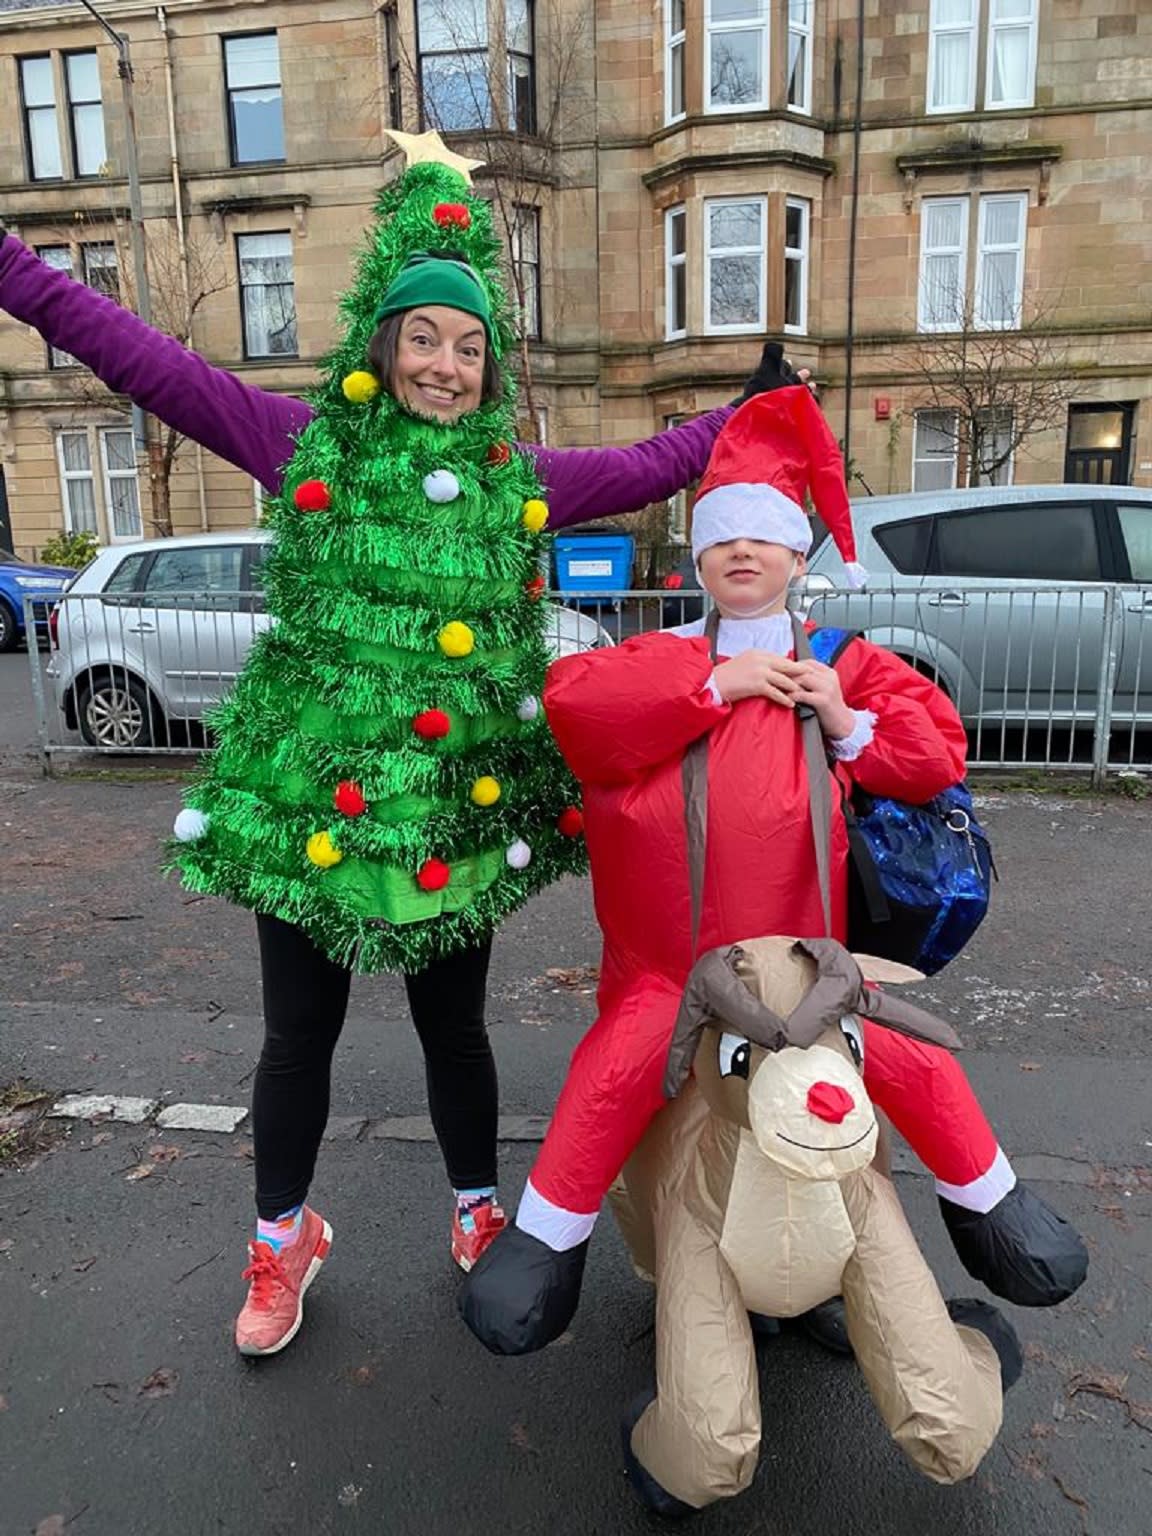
<point>18,580</point>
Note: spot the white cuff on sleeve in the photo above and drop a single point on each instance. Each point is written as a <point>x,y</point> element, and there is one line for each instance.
<point>558,1228</point>
<point>848,748</point>
<point>717,696</point>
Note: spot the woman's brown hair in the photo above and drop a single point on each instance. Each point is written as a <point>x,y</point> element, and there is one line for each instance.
<point>382,359</point>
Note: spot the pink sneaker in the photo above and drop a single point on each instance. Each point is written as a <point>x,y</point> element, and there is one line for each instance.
<point>272,1315</point>
<point>472,1232</point>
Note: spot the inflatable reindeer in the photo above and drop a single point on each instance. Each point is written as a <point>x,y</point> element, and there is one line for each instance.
<point>755,1192</point>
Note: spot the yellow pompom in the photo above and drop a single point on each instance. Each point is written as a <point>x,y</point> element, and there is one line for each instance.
<point>323,851</point>
<point>486,791</point>
<point>457,639</point>
<point>360,386</point>
<point>535,515</point>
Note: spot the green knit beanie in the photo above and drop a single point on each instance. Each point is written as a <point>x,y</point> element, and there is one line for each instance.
<point>430,279</point>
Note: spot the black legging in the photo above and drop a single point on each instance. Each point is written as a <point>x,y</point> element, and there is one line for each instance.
<point>305,1002</point>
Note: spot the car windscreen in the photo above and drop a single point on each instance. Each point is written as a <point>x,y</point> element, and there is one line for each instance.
<point>8,558</point>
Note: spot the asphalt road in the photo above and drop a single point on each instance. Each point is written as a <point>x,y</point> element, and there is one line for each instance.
<point>124,1412</point>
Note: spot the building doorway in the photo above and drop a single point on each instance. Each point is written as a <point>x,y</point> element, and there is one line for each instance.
<point>1099,450</point>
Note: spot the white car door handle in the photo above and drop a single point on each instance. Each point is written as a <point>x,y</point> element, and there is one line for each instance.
<point>140,629</point>
<point>1143,607</point>
<point>948,600</point>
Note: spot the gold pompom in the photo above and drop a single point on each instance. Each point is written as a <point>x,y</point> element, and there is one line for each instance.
<point>323,851</point>
<point>456,639</point>
<point>535,514</point>
<point>360,386</point>
<point>486,790</point>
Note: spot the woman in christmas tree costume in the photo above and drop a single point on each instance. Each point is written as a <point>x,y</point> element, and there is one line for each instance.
<point>384,790</point>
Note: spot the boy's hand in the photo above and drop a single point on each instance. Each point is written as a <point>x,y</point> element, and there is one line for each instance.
<point>757,674</point>
<point>818,686</point>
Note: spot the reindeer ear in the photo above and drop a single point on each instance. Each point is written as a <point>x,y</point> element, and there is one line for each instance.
<point>887,972</point>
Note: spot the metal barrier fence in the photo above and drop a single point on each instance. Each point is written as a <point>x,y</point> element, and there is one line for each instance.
<point>1048,676</point>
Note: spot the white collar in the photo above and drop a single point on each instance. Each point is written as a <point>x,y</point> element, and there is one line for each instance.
<point>772,633</point>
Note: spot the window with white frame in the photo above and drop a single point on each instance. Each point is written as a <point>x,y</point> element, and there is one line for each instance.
<point>992,449</point>
<point>41,129</point>
<point>800,55</point>
<point>678,501</point>
<point>526,265</point>
<point>934,451</point>
<point>101,268</point>
<point>952,28</point>
<point>85,112</point>
<point>674,38</point>
<point>1012,35</point>
<point>1000,262</point>
<point>267,295</point>
<point>255,99</point>
<point>797,225</point>
<point>675,273</point>
<point>734,264</point>
<point>943,263</point>
<point>74,456</point>
<point>121,487</point>
<point>452,55</point>
<point>59,258</point>
<point>736,54</point>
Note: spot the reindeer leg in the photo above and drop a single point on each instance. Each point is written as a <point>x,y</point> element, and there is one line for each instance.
<point>698,1439</point>
<point>938,1383</point>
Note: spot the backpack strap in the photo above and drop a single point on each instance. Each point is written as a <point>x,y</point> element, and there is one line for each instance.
<point>819,778</point>
<point>829,643</point>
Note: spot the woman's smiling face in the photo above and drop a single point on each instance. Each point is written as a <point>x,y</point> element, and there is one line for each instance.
<point>439,368</point>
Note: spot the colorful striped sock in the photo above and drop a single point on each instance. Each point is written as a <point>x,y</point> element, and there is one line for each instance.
<point>283,1231</point>
<point>467,1201</point>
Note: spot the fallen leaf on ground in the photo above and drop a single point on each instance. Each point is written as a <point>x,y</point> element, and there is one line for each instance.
<point>573,978</point>
<point>141,1171</point>
<point>3,1403</point>
<point>161,1383</point>
<point>7,1244</point>
<point>83,1265</point>
<point>53,1525</point>
<point>163,1154</point>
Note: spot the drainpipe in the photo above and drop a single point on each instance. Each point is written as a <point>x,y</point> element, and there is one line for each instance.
<point>181,231</point>
<point>850,339</point>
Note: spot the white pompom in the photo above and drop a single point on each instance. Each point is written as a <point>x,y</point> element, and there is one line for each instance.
<point>857,575</point>
<point>518,854</point>
<point>528,708</point>
<point>441,485</point>
<point>190,825</point>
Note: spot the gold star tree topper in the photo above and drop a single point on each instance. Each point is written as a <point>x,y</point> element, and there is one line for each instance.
<point>421,147</point>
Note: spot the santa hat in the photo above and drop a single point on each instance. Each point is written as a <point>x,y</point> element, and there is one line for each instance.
<point>773,452</point>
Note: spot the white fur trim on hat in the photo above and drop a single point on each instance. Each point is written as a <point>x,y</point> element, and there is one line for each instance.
<point>749,512</point>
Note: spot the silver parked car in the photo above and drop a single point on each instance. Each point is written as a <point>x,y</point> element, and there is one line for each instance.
<point>1005,595</point>
<point>150,635</point>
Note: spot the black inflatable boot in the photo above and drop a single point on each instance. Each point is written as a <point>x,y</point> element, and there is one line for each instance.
<point>1020,1249</point>
<point>828,1326</point>
<point>521,1294</point>
<point>650,1493</point>
<point>999,1332</point>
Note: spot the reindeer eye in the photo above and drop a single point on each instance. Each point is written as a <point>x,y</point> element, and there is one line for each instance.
<point>735,1055</point>
<point>851,1031</point>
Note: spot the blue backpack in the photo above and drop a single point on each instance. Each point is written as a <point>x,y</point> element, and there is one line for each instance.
<point>919,875</point>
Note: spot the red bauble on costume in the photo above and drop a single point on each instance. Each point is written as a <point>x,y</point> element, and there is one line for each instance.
<point>534,589</point>
<point>499,453</point>
<point>432,724</point>
<point>349,798</point>
<point>312,496</point>
<point>433,875</point>
<point>571,821</point>
<point>451,216</point>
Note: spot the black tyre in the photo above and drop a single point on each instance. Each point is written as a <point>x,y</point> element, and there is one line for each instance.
<point>117,712</point>
<point>9,629</point>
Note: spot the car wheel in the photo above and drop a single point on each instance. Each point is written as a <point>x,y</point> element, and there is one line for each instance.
<point>9,633</point>
<point>117,712</point>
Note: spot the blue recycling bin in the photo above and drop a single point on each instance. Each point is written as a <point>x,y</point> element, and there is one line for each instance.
<point>593,562</point>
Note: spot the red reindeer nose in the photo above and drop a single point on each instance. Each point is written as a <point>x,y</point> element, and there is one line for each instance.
<point>828,1102</point>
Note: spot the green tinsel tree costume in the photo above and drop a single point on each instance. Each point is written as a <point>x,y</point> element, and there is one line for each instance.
<point>384,776</point>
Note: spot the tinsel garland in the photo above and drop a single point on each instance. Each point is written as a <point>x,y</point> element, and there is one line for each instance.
<point>390,602</point>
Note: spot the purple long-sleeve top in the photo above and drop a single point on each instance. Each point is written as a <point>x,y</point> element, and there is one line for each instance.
<point>257,430</point>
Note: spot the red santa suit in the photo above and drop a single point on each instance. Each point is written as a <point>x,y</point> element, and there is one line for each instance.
<point>623,718</point>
